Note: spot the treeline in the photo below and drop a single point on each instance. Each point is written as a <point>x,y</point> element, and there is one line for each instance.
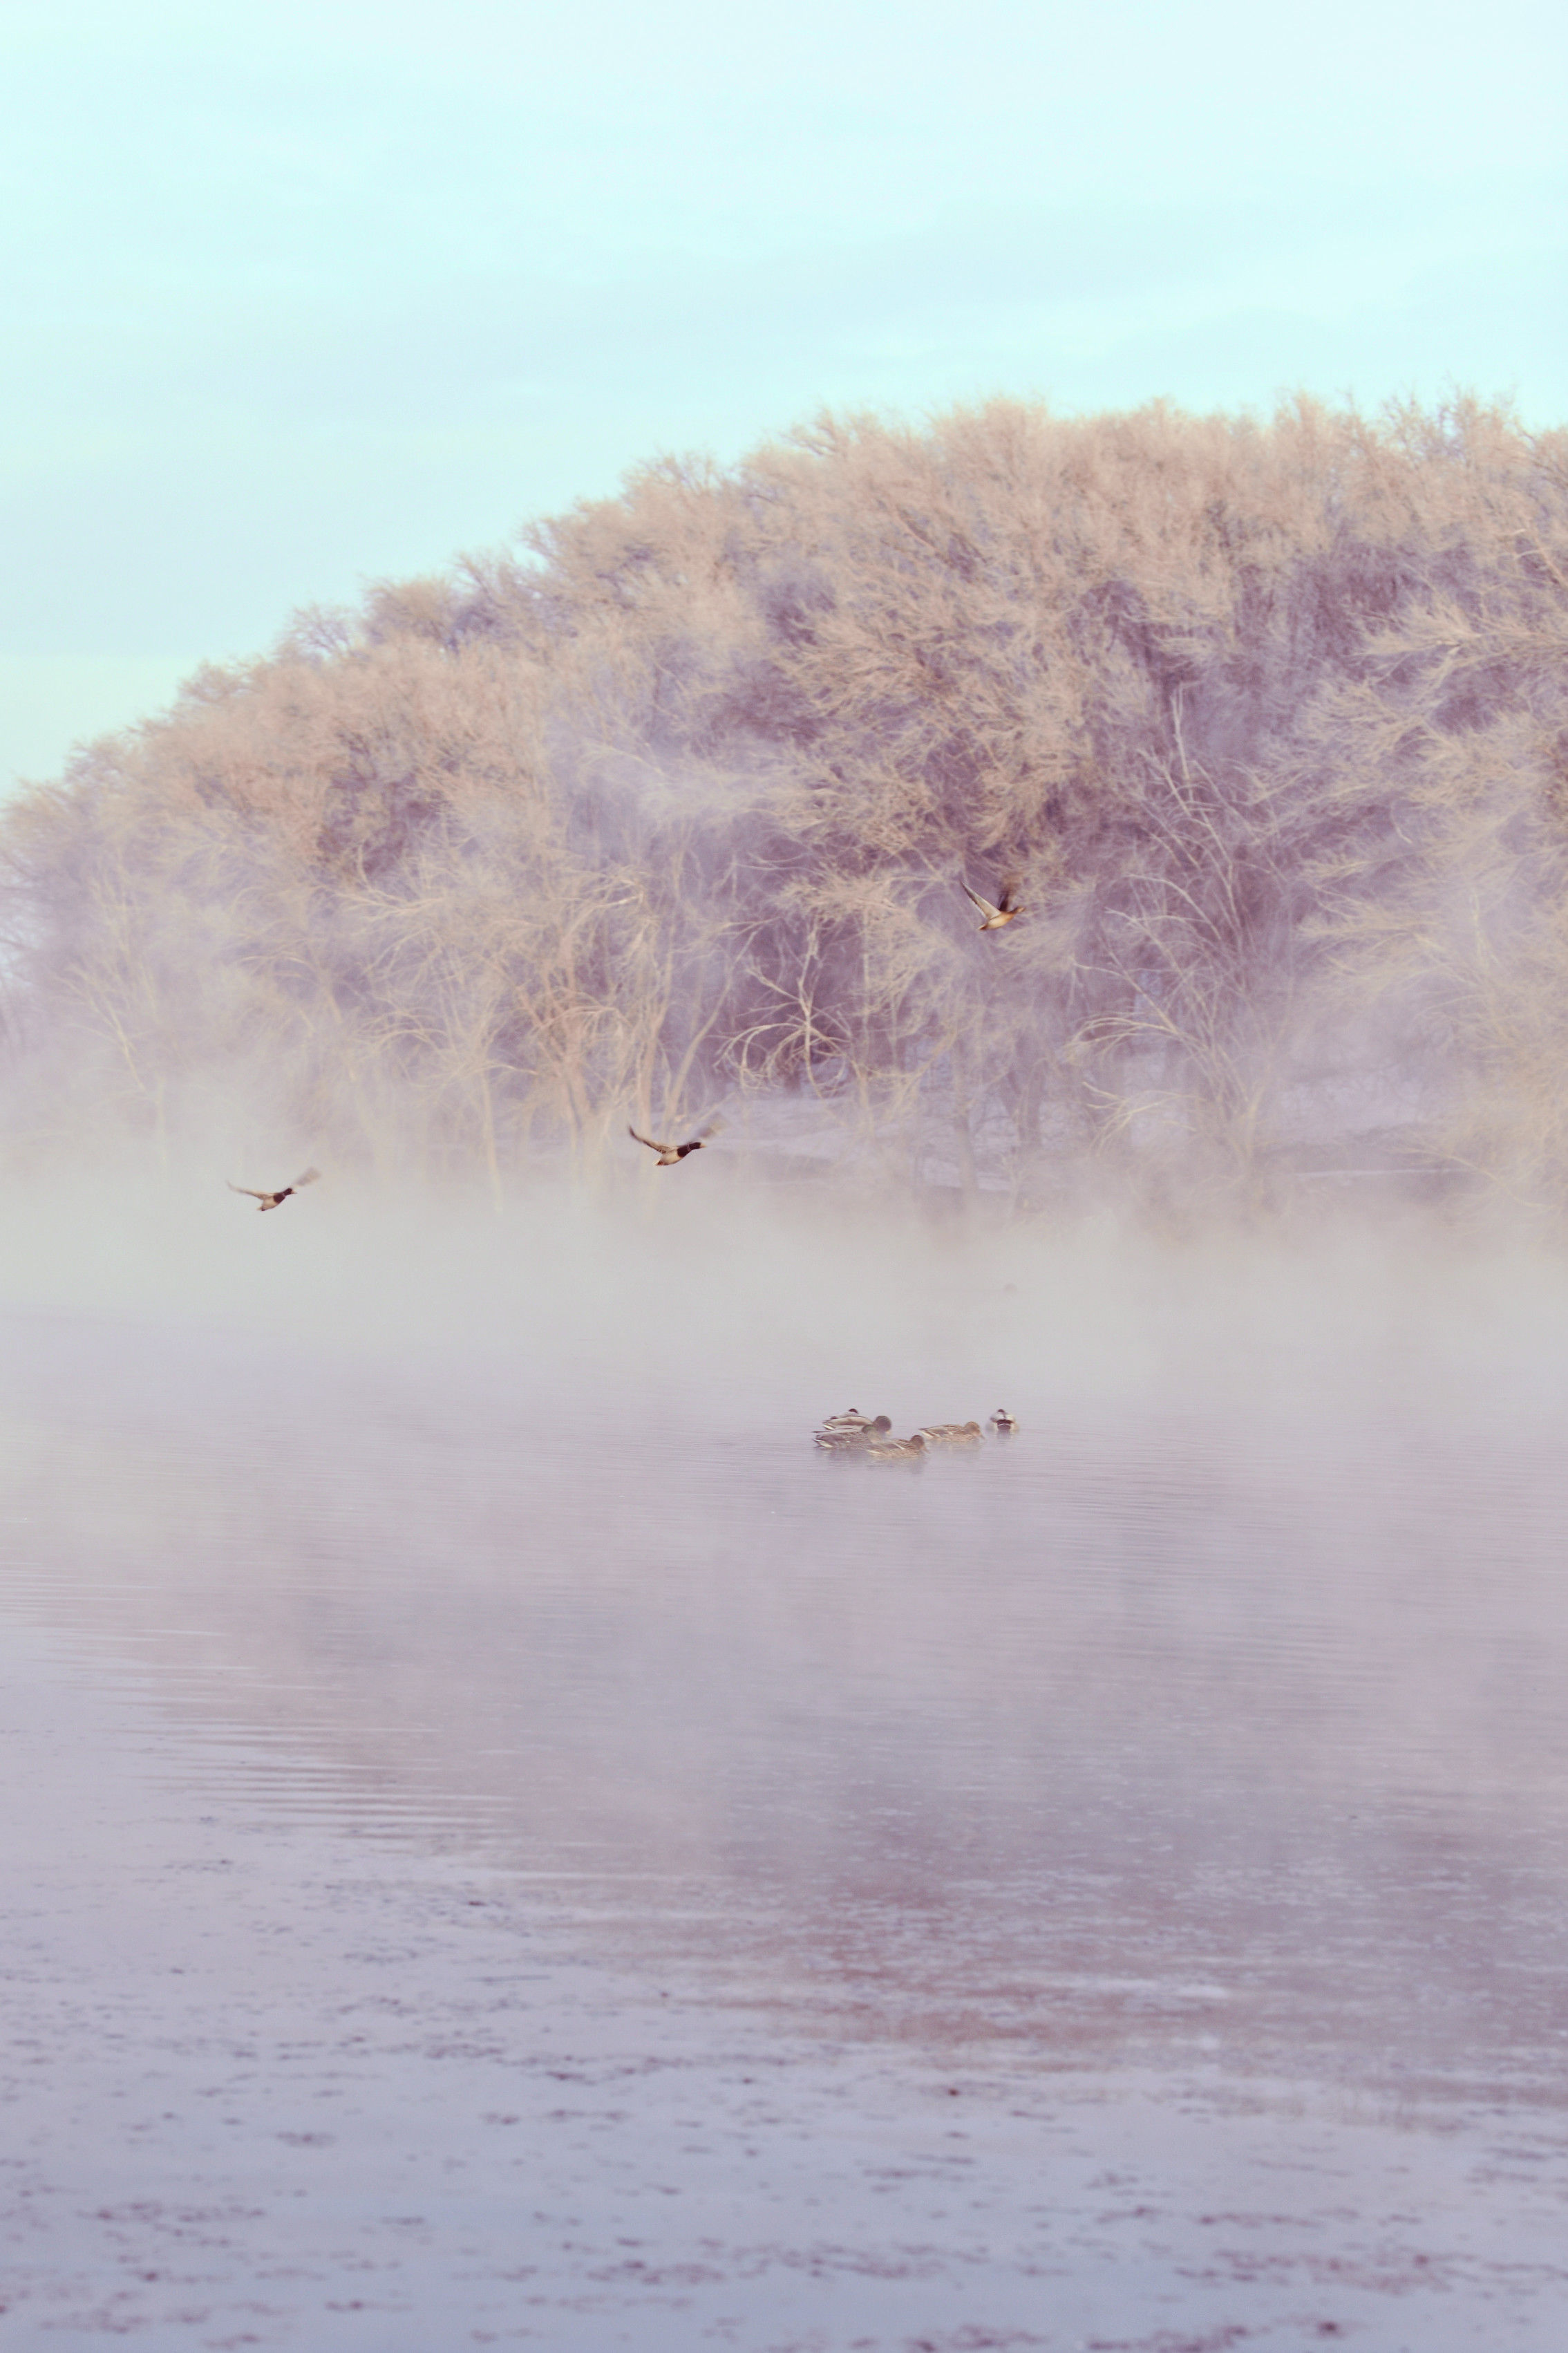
<point>1268,722</point>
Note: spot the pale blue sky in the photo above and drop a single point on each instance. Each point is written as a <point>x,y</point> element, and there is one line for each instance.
<point>306,295</point>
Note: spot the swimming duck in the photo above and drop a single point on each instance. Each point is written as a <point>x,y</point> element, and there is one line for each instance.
<point>276,1200</point>
<point>951,1433</point>
<point>1003,1422</point>
<point>833,1441</point>
<point>670,1155</point>
<point>1005,911</point>
<point>894,1449</point>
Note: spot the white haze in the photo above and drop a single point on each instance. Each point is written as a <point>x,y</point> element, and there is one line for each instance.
<point>1201,1744</point>
<point>668,1290</point>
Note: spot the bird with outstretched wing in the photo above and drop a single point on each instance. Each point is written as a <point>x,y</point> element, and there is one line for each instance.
<point>670,1155</point>
<point>276,1200</point>
<point>1005,911</point>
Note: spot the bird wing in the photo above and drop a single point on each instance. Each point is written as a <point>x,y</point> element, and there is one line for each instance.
<point>702,1136</point>
<point>984,905</point>
<point>248,1189</point>
<point>646,1139</point>
<point>1008,902</point>
<point>310,1176</point>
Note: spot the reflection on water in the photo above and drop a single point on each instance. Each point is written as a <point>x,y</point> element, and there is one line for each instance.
<point>1177,1729</point>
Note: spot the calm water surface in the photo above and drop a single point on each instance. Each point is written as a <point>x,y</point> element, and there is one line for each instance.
<point>1224,1728</point>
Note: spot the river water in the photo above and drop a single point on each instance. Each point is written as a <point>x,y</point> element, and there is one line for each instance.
<point>509,1846</point>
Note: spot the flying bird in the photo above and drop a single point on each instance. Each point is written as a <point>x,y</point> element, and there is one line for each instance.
<point>992,917</point>
<point>276,1200</point>
<point>670,1155</point>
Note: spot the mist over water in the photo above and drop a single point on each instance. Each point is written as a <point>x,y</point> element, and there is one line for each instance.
<point>1210,1728</point>
<point>1099,886</point>
<point>1201,1714</point>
